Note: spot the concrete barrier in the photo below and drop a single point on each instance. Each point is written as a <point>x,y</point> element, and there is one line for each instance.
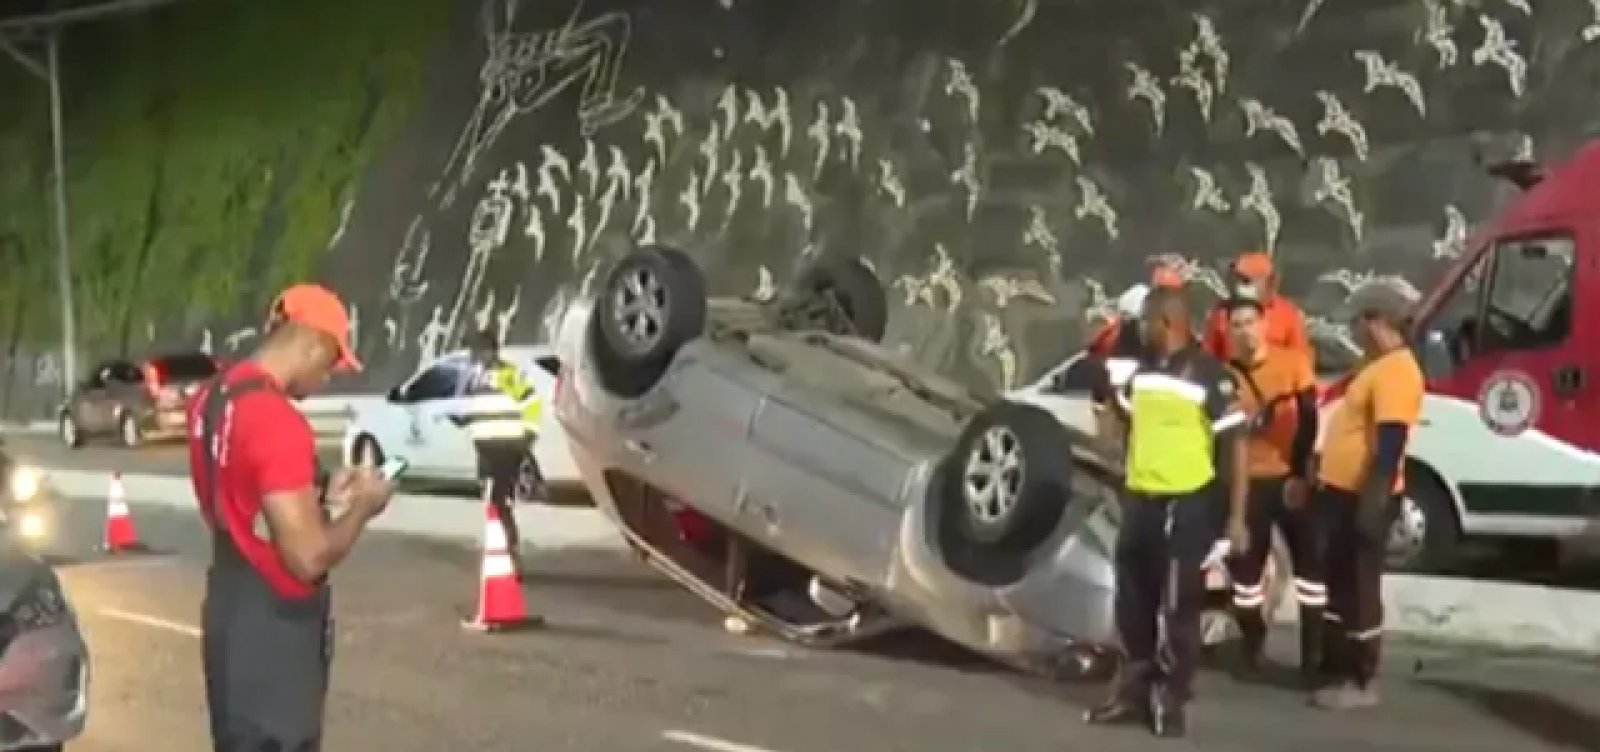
<point>446,517</point>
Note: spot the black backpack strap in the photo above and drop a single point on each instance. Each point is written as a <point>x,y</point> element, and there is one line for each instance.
<point>217,397</point>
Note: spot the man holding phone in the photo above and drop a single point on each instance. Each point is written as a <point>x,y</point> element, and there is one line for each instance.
<point>277,529</point>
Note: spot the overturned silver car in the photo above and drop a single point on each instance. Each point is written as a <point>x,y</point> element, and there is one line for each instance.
<point>777,461</point>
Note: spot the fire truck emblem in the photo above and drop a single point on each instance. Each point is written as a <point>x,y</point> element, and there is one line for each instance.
<point>1509,403</point>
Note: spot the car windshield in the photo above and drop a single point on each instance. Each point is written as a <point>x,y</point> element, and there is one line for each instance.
<point>190,366</point>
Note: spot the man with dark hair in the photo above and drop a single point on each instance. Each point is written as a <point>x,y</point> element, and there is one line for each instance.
<point>1279,397</point>
<point>1285,325</point>
<point>502,418</point>
<point>1362,471</point>
<point>1181,414</point>
<point>266,619</point>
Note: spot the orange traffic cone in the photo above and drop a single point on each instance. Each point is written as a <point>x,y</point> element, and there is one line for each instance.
<point>501,607</point>
<point>120,536</point>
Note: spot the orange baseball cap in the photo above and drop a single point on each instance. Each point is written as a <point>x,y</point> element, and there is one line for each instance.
<point>1253,264</point>
<point>317,308</point>
<point>1166,277</point>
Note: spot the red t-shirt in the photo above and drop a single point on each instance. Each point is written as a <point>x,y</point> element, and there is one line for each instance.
<point>266,447</point>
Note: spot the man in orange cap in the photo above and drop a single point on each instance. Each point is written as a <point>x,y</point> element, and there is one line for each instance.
<point>1285,324</point>
<point>277,529</point>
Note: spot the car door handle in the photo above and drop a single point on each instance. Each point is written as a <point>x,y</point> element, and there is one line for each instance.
<point>640,448</point>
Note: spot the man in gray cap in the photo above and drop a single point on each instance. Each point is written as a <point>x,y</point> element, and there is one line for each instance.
<point>1361,473</point>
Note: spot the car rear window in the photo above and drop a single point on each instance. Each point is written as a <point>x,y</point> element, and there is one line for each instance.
<point>195,366</point>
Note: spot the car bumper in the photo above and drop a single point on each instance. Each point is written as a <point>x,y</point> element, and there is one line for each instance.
<point>44,688</point>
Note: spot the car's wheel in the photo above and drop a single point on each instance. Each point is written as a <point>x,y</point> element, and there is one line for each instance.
<point>1425,535</point>
<point>365,451</point>
<point>128,430</point>
<point>652,303</point>
<point>529,482</point>
<point>1010,477</point>
<point>840,296</point>
<point>67,428</point>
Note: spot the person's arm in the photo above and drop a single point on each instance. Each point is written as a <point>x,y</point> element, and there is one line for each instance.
<point>1306,424</point>
<point>1230,437</point>
<point>1396,407</point>
<point>282,453</point>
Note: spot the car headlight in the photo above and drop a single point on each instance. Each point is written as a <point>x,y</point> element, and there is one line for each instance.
<point>25,483</point>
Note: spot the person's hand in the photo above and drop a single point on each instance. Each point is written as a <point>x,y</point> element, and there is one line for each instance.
<point>1238,535</point>
<point>1296,493</point>
<point>1375,514</point>
<point>361,490</point>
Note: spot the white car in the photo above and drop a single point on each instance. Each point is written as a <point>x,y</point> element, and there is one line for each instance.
<point>413,422</point>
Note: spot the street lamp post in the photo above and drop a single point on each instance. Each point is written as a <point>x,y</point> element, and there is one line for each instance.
<point>69,323</point>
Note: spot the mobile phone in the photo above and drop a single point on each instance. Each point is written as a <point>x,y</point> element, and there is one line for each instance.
<point>393,468</point>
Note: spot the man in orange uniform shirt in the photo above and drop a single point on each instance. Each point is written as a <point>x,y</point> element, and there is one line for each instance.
<point>1285,325</point>
<point>1361,473</point>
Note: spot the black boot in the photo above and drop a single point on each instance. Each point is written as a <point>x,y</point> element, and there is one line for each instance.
<point>1129,703</point>
<point>1313,643</point>
<point>1252,640</point>
<point>1167,716</point>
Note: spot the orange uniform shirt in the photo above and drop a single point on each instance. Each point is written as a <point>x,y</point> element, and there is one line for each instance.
<point>1386,390</point>
<point>1268,391</point>
<point>1286,331</point>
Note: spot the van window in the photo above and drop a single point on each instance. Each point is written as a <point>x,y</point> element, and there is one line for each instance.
<point>1528,301</point>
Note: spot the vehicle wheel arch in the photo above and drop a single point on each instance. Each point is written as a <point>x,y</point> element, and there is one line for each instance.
<point>1436,497</point>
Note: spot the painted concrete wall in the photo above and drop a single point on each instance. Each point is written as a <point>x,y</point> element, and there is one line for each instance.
<point>1006,166</point>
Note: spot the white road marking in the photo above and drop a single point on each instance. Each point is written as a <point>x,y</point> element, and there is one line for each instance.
<point>712,743</point>
<point>151,621</point>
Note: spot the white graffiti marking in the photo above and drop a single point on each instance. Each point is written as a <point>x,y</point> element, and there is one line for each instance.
<point>1453,242</point>
<point>1259,117</point>
<point>1209,42</point>
<point>889,183</point>
<point>997,344</point>
<point>1333,187</point>
<point>1039,232</point>
<point>1501,50</point>
<point>849,126</point>
<point>1439,33</point>
<point>1337,119</point>
<point>655,127</point>
<point>1591,31</point>
<point>643,187</point>
<point>1043,136</point>
<point>589,167</point>
<point>967,177</point>
<point>761,172</point>
<point>578,226</point>
<point>959,84</point>
<point>776,116</point>
<point>795,196</point>
<point>1191,77</point>
<point>1145,87</point>
<point>728,107</point>
<point>1059,104</point>
<point>689,199</point>
<point>1207,194</point>
<point>766,288</point>
<point>524,71</point>
<point>733,182</point>
<point>1258,200</point>
<point>821,134</point>
<point>1092,202</point>
<point>1383,73</point>
<point>552,161</point>
<point>711,152</point>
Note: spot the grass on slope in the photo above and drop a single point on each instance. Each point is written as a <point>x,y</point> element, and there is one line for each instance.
<point>211,150</point>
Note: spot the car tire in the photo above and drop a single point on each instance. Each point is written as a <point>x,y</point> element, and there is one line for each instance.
<point>842,296</point>
<point>1009,478</point>
<point>128,431</point>
<point>1425,535</point>
<point>653,302</point>
<point>365,450</point>
<point>67,429</point>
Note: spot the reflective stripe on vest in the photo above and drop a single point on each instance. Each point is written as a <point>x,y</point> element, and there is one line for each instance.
<point>493,415</point>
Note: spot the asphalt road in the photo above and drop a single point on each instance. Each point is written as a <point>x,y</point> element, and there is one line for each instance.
<point>632,663</point>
